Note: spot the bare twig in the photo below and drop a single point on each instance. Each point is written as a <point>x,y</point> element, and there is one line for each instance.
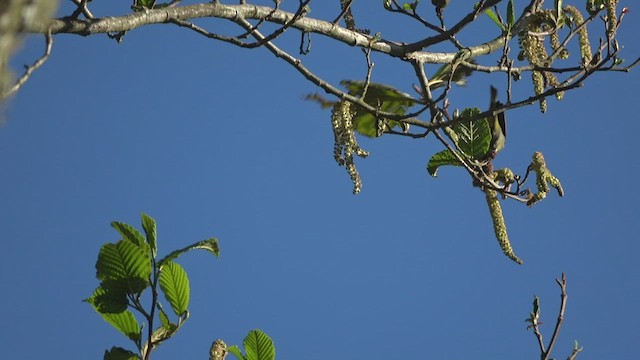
<point>397,8</point>
<point>545,352</point>
<point>562,282</point>
<point>346,10</point>
<point>229,39</point>
<point>82,9</point>
<point>309,75</point>
<point>30,69</point>
<point>455,29</point>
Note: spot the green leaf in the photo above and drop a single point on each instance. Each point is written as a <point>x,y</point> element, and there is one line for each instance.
<point>164,332</point>
<point>558,8</point>
<point>259,346</point>
<point>495,19</point>
<point>210,245</point>
<point>164,319</point>
<point>149,226</point>
<point>175,285</point>
<point>108,300</point>
<point>236,352</point>
<point>474,137</point>
<point>123,264</point>
<point>146,3</point>
<point>118,353</point>
<point>378,92</point>
<point>160,334</point>
<point>383,97</point>
<point>128,232</point>
<point>442,158</point>
<point>511,14</point>
<point>124,322</point>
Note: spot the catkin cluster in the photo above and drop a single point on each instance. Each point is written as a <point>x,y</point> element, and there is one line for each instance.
<point>499,226</point>
<point>583,36</point>
<point>345,143</point>
<point>542,25</point>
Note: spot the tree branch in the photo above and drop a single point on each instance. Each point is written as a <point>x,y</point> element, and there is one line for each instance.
<point>30,69</point>
<point>86,27</point>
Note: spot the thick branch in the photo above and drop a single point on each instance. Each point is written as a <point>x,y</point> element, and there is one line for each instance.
<point>137,19</point>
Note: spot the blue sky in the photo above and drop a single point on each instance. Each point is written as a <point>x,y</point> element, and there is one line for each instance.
<point>212,140</point>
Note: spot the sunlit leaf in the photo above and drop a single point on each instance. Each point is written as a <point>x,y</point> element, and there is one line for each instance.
<point>164,319</point>
<point>124,264</point>
<point>128,232</point>
<point>259,346</point>
<point>108,300</point>
<point>124,322</point>
<point>118,353</point>
<point>511,14</point>
<point>377,92</point>
<point>442,158</point>
<point>149,226</point>
<point>474,136</point>
<point>210,245</point>
<point>236,352</point>
<point>383,97</point>
<point>495,19</point>
<point>175,285</point>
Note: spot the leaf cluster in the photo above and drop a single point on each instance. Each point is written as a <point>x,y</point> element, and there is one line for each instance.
<point>129,268</point>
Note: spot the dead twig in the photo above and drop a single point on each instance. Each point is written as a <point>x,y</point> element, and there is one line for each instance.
<point>30,69</point>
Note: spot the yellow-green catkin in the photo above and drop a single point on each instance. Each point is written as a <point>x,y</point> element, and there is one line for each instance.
<point>538,87</point>
<point>612,17</point>
<point>499,226</point>
<point>583,36</point>
<point>532,48</point>
<point>554,39</point>
<point>345,143</point>
<point>544,178</point>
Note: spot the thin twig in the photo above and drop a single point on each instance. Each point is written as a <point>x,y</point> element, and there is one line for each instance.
<point>82,9</point>
<point>30,69</point>
<point>562,282</point>
<point>315,79</point>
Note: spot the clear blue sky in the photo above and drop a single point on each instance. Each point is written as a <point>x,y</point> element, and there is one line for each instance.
<point>212,140</point>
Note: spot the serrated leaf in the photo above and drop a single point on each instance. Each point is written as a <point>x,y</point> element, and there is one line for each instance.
<point>124,322</point>
<point>160,334</point>
<point>149,226</point>
<point>495,19</point>
<point>164,319</point>
<point>108,300</point>
<point>365,124</point>
<point>377,92</point>
<point>511,14</point>
<point>128,232</point>
<point>175,285</point>
<point>210,245</point>
<point>259,346</point>
<point>123,264</point>
<point>236,352</point>
<point>383,97</point>
<point>474,136</point>
<point>442,158</point>
<point>118,353</point>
